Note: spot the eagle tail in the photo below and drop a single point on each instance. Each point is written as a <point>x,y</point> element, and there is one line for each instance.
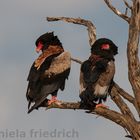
<point>37,103</point>
<point>87,98</point>
<point>29,104</point>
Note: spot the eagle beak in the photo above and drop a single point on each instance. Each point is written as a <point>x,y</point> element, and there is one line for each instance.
<point>38,50</point>
<point>39,47</point>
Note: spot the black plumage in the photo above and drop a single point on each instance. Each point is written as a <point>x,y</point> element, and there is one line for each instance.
<point>51,40</point>
<point>96,77</point>
<point>104,53</point>
<point>48,72</point>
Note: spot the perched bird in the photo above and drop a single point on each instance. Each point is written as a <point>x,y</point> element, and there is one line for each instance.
<point>48,72</point>
<point>96,76</point>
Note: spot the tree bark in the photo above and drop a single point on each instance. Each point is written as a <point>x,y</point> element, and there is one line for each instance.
<point>132,52</point>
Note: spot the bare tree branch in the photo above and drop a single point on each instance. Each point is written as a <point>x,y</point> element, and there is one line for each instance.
<point>76,60</point>
<point>120,102</point>
<point>90,26</point>
<point>127,4</point>
<point>117,12</point>
<point>104,112</point>
<point>124,94</point>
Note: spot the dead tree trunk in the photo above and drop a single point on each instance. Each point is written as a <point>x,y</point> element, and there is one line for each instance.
<point>125,118</point>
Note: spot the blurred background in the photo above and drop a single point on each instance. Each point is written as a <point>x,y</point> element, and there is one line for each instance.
<point>22,22</point>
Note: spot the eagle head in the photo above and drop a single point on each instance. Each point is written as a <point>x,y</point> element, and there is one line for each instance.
<point>104,47</point>
<point>43,42</point>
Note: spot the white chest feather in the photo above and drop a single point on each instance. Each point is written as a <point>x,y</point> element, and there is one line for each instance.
<point>100,90</point>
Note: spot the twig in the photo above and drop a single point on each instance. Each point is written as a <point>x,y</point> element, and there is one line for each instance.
<point>126,11</point>
<point>120,103</point>
<point>124,94</point>
<point>76,60</point>
<point>90,26</point>
<point>127,4</point>
<point>116,11</point>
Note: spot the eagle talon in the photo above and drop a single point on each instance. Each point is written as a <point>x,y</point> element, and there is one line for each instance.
<point>56,102</point>
<point>54,99</point>
<point>101,105</point>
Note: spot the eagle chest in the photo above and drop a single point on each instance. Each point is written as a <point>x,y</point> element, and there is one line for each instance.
<point>59,65</point>
<point>105,78</point>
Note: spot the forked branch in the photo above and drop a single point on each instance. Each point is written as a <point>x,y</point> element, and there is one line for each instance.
<point>127,4</point>
<point>117,12</point>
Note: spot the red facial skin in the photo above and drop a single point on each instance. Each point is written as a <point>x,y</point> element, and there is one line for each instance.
<point>105,47</point>
<point>39,47</point>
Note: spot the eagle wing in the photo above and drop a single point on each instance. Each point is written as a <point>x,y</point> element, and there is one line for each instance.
<point>95,79</point>
<point>103,84</point>
<point>59,65</point>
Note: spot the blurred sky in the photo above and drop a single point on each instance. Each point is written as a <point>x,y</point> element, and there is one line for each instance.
<point>22,22</point>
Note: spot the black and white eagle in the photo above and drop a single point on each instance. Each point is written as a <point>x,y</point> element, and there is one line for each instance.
<point>96,76</point>
<point>48,72</point>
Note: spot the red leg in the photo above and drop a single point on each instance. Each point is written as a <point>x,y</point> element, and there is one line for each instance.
<point>101,105</point>
<point>53,99</point>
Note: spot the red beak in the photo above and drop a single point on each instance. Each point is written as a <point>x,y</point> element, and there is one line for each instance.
<point>39,47</point>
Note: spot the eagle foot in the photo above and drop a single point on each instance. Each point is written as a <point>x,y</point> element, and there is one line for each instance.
<point>101,105</point>
<point>53,100</point>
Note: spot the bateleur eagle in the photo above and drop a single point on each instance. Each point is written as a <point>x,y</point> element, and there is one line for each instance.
<point>96,76</point>
<point>48,72</point>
